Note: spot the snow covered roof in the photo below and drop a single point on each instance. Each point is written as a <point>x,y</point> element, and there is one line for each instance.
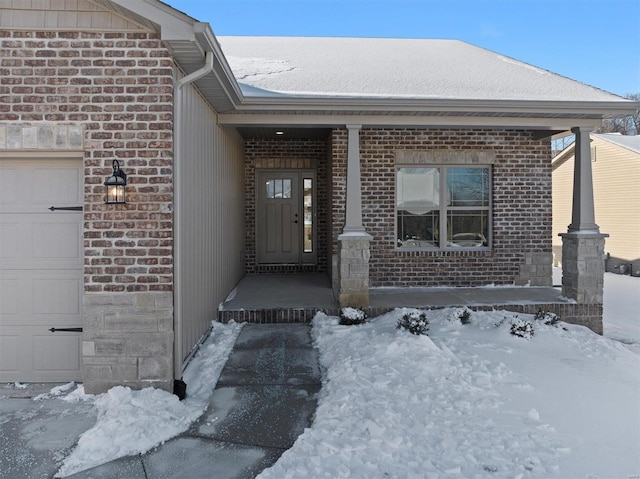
<point>629,142</point>
<point>392,68</point>
<point>335,81</point>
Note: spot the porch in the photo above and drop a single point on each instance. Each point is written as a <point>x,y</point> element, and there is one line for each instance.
<point>289,298</point>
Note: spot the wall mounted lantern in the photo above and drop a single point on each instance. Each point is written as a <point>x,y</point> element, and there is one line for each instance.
<point>115,186</point>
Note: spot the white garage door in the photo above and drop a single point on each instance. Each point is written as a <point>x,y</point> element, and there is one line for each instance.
<point>41,277</point>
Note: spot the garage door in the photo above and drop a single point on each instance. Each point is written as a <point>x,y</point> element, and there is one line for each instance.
<point>41,277</point>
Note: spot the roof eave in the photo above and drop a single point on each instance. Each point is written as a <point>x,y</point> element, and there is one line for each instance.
<point>188,40</point>
<point>222,73</point>
<point>586,109</point>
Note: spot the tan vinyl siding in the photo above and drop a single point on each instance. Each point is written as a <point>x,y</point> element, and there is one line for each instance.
<point>63,15</point>
<point>616,179</point>
<point>616,176</point>
<point>211,188</point>
<point>562,187</point>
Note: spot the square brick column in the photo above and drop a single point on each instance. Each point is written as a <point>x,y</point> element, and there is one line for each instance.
<point>354,270</point>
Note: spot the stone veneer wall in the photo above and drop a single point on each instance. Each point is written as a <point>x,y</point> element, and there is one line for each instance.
<point>110,94</point>
<point>284,154</point>
<point>521,172</point>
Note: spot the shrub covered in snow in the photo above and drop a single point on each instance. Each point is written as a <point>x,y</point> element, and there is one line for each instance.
<point>465,316</point>
<point>548,318</point>
<point>352,316</point>
<point>415,322</point>
<point>521,328</point>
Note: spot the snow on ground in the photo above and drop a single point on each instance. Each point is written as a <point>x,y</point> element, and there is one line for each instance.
<point>131,422</point>
<point>468,400</point>
<point>622,309</point>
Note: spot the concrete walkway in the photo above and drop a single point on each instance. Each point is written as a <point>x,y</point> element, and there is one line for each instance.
<point>266,396</point>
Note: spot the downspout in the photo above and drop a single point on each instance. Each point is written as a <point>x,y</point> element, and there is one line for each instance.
<point>177,217</point>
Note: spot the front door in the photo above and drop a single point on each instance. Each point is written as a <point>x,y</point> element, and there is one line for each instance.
<point>285,230</point>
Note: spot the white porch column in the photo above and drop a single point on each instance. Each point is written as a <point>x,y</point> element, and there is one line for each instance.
<point>354,242</point>
<point>583,245</point>
<point>353,218</point>
<point>582,213</point>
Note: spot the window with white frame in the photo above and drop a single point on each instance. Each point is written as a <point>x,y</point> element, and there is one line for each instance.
<point>443,207</point>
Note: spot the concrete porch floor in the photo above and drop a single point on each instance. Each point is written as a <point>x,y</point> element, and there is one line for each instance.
<point>271,298</point>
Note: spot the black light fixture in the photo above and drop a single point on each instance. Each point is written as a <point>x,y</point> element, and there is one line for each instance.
<point>115,186</point>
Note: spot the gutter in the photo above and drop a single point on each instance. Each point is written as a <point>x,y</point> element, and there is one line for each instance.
<point>597,109</point>
<point>223,73</point>
<point>177,216</point>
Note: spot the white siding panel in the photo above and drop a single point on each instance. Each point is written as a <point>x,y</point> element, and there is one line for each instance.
<point>210,166</point>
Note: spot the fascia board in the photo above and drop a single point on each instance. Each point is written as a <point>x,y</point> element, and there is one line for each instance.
<point>596,109</point>
<point>174,25</point>
<point>333,120</point>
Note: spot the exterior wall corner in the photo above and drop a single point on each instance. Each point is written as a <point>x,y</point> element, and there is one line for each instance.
<point>128,340</point>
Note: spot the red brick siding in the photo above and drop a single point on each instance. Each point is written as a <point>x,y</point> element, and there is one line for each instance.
<point>119,86</point>
<point>292,154</point>
<point>521,205</point>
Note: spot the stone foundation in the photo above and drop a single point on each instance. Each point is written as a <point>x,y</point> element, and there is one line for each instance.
<point>354,270</point>
<point>128,341</point>
<point>536,270</point>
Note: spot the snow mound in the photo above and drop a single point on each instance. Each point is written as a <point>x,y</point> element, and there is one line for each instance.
<point>133,422</point>
<point>469,400</point>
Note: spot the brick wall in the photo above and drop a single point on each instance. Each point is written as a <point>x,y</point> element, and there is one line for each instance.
<point>119,87</point>
<point>281,153</point>
<point>521,170</point>
<point>117,90</point>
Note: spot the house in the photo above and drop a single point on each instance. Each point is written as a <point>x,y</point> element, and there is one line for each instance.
<point>378,162</point>
<point>615,163</point>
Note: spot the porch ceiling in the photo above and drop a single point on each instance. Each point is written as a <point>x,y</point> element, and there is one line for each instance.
<point>287,133</point>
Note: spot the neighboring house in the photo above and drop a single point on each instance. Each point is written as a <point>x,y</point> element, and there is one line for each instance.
<point>379,162</point>
<point>615,161</point>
